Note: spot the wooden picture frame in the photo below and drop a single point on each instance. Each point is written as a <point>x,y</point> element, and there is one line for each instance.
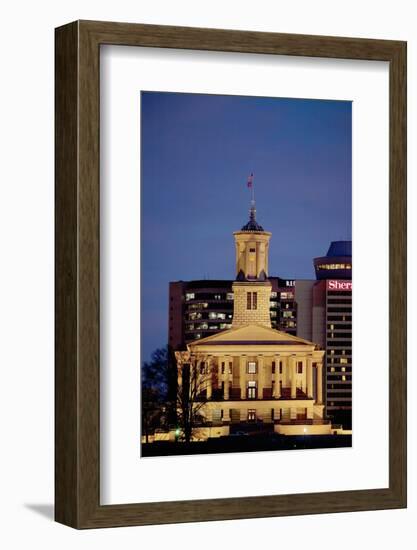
<point>77,406</point>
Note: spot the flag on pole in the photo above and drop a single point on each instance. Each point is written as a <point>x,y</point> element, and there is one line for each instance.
<point>250,181</point>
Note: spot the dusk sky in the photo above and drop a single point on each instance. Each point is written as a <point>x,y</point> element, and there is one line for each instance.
<point>197,152</point>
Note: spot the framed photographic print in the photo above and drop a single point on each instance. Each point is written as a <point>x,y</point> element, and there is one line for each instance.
<point>230,274</point>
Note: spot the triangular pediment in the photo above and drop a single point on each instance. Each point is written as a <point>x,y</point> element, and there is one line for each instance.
<point>251,334</point>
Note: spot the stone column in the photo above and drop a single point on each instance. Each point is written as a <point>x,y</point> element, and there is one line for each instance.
<point>261,376</point>
<point>226,378</point>
<point>209,383</point>
<point>293,377</point>
<point>286,374</point>
<point>309,377</point>
<point>319,383</point>
<point>179,373</point>
<point>277,377</point>
<point>242,377</point>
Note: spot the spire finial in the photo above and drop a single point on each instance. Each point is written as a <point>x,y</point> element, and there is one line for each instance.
<point>252,211</point>
<point>252,225</point>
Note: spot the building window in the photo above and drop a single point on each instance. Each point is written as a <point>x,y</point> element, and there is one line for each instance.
<point>251,389</point>
<point>343,361</point>
<point>251,300</point>
<point>300,367</point>
<point>222,367</point>
<point>251,367</point>
<point>273,367</point>
<point>189,296</point>
<point>230,367</point>
<point>280,367</point>
<point>229,296</point>
<point>253,250</point>
<point>251,415</point>
<point>202,368</point>
<point>217,296</point>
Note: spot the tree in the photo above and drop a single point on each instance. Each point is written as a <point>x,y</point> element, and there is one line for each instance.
<point>154,385</point>
<point>194,376</point>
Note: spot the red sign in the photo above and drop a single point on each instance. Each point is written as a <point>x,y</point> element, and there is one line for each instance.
<point>339,285</point>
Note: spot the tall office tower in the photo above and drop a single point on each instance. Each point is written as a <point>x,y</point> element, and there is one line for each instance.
<point>324,315</point>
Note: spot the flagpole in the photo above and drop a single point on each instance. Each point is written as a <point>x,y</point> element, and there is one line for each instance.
<point>253,191</point>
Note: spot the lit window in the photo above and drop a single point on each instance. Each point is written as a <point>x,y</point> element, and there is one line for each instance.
<point>217,296</point>
<point>189,296</point>
<point>229,296</point>
<point>343,369</point>
<point>251,415</point>
<point>343,360</point>
<point>251,367</point>
<point>273,294</point>
<point>251,389</point>
<point>221,316</point>
<point>344,378</point>
<point>332,369</point>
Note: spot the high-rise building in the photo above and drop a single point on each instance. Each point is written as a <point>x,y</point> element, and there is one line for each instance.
<point>324,310</point>
<point>251,372</point>
<point>202,308</point>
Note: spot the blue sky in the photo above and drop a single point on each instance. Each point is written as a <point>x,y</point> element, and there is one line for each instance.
<point>196,154</point>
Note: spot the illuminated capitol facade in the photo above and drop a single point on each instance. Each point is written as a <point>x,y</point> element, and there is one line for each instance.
<point>251,372</point>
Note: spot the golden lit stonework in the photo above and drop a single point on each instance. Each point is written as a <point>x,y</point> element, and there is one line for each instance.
<point>252,373</point>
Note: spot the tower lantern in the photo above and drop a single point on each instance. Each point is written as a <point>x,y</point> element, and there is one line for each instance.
<point>252,289</point>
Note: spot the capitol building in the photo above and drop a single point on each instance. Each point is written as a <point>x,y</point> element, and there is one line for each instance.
<point>252,373</point>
